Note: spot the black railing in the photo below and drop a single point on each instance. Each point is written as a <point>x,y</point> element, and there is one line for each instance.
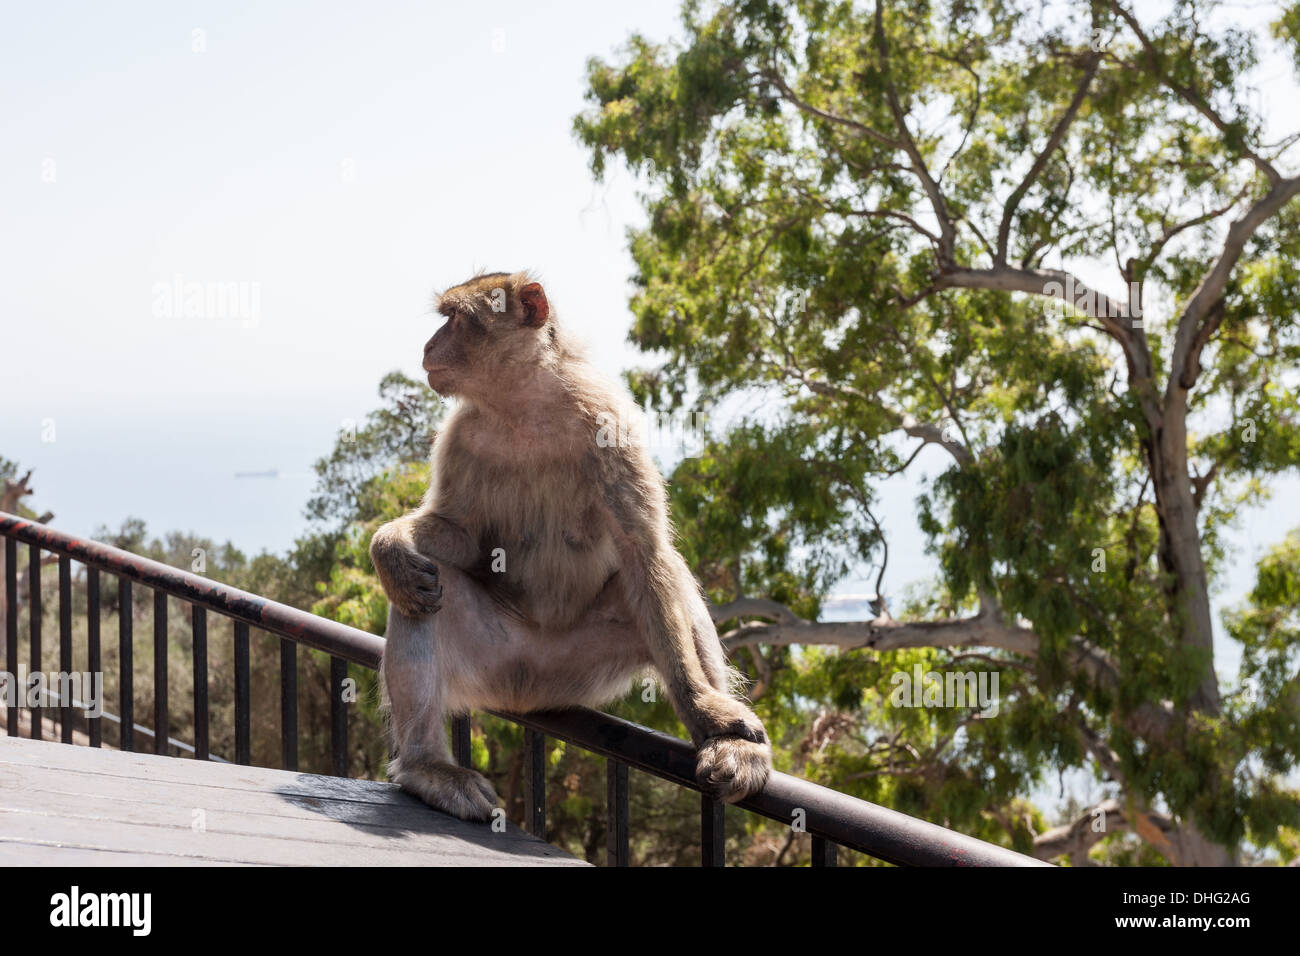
<point>833,819</point>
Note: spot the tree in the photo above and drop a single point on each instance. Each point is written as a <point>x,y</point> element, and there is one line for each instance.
<point>878,217</point>
<point>400,432</point>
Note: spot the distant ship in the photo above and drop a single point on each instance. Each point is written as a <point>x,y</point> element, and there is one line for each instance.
<point>272,473</point>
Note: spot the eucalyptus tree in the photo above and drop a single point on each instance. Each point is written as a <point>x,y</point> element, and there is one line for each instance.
<point>1058,241</point>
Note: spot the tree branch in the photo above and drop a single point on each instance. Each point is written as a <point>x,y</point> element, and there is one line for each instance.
<point>773,75</point>
<point>1169,232</point>
<point>1076,838</point>
<point>1153,721</point>
<point>753,607</point>
<point>947,232</point>
<point>1197,317</point>
<point>1201,482</point>
<point>1156,63</point>
<point>985,629</point>
<point>1053,142</point>
<point>14,491</point>
<point>930,434</point>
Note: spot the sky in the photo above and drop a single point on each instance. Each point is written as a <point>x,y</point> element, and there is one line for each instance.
<point>338,163</point>
<point>328,166</point>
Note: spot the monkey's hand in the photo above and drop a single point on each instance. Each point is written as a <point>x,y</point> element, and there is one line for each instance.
<point>733,768</point>
<point>409,578</point>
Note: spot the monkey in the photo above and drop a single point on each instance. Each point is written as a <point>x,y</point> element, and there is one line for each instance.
<point>544,555</point>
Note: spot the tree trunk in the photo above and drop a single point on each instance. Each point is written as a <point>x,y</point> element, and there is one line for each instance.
<point>1188,846</point>
<point>1180,552</point>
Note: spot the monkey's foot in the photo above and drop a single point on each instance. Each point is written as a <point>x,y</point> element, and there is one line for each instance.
<point>732,768</point>
<point>462,792</point>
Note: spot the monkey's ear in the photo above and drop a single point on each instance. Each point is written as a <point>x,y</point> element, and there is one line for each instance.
<point>536,309</point>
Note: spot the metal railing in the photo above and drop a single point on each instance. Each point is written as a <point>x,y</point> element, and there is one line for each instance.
<point>833,819</point>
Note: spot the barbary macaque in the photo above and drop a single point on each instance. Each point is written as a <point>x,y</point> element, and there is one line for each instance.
<point>539,571</point>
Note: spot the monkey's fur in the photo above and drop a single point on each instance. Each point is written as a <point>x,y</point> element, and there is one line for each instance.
<point>546,556</point>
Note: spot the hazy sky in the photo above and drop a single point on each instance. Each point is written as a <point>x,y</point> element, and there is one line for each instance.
<point>336,163</point>
<point>340,162</point>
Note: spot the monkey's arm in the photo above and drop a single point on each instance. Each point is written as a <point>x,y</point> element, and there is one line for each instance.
<point>429,534</point>
<point>404,551</point>
<point>442,539</point>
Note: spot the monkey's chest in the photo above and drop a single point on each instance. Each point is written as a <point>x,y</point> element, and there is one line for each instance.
<point>551,559</point>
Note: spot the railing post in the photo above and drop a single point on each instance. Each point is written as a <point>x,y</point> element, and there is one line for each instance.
<point>95,724</point>
<point>535,781</point>
<point>65,648</point>
<point>199,654</point>
<point>713,818</point>
<point>11,630</point>
<point>338,717</point>
<point>243,737</point>
<point>126,667</point>
<point>461,750</point>
<point>617,792</point>
<point>288,704</point>
<point>161,726</point>
<point>34,628</point>
<point>823,852</point>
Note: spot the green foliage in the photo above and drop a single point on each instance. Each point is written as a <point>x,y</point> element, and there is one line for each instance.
<point>401,431</point>
<point>794,258</point>
<point>1287,29</point>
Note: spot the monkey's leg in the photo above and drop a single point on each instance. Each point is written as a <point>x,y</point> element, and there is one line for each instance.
<point>419,666</point>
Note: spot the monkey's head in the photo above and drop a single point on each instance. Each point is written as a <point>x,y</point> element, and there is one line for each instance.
<point>498,329</point>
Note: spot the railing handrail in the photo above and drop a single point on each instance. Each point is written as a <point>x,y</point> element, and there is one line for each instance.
<point>350,643</point>
<point>846,820</point>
